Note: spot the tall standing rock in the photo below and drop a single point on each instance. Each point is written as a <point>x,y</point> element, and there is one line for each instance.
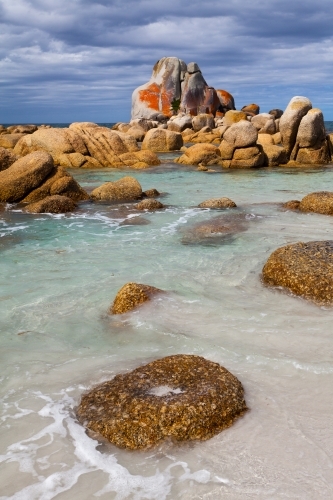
<point>155,97</point>
<point>291,119</point>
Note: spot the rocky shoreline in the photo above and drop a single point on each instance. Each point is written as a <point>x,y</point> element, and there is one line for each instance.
<point>176,111</point>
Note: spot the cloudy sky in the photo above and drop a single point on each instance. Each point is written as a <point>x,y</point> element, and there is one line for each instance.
<point>80,60</point>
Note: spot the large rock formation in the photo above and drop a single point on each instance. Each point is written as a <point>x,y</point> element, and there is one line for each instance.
<point>7,158</point>
<point>158,139</point>
<point>306,269</point>
<point>175,85</point>
<point>182,397</point>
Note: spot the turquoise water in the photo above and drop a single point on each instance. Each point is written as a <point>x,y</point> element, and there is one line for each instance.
<point>59,275</point>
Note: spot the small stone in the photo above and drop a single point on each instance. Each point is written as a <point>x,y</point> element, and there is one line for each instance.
<point>151,193</point>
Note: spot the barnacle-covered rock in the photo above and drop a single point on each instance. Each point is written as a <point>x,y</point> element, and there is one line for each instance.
<point>131,295</point>
<point>306,269</point>
<point>182,397</point>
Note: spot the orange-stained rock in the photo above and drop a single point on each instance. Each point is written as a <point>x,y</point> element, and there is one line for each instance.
<point>227,101</point>
<point>251,109</point>
<point>233,116</point>
<point>155,97</point>
<point>24,175</point>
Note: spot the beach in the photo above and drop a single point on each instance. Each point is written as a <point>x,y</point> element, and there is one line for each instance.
<point>60,274</point>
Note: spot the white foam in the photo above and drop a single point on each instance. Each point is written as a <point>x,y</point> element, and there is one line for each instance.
<point>163,390</point>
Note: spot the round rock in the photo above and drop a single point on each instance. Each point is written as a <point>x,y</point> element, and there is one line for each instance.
<point>182,397</point>
<point>55,204</point>
<point>306,269</point>
<point>320,203</point>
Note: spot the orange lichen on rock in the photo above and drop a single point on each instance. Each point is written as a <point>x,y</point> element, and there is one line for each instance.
<point>151,95</point>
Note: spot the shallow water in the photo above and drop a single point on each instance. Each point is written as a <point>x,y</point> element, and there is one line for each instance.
<point>59,275</point>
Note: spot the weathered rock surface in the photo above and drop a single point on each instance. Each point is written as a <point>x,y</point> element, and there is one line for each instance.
<point>55,204</point>
<point>140,159</point>
<point>217,203</point>
<point>151,193</point>
<point>179,123</point>
<point>132,295</point>
<point>149,204</point>
<point>7,158</point>
<point>291,205</point>
<point>125,189</point>
<point>24,175</point>
<point>274,155</point>
<point>311,144</point>
<point>162,140</point>
<point>233,116</point>
<point>182,397</point>
<point>276,113</point>
<point>249,157</point>
<point>241,134</point>
<point>208,154</point>
<point>264,123</point>
<point>176,86</point>
<point>203,120</point>
<point>306,269</point>
<point>320,203</point>
<point>10,140</point>
<point>22,129</point>
<point>251,109</point>
<point>290,120</point>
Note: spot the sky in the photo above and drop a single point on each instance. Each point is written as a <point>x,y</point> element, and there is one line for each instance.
<point>80,60</point>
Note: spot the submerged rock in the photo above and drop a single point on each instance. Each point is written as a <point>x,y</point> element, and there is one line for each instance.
<point>320,203</point>
<point>306,269</point>
<point>217,203</point>
<point>131,295</point>
<point>182,397</point>
<point>55,204</point>
<point>127,188</point>
<point>151,193</point>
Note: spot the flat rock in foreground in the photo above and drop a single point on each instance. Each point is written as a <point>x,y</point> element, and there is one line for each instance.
<point>306,269</point>
<point>182,397</point>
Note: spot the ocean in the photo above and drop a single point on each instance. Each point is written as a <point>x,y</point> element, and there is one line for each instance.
<point>59,276</point>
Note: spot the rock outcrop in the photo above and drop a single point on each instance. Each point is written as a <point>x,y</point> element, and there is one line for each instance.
<point>125,189</point>
<point>305,269</point>
<point>291,119</point>
<point>175,85</point>
<point>239,149</point>
<point>182,397</point>
<point>132,295</point>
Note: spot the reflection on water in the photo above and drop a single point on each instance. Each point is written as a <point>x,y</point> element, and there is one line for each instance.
<point>59,275</point>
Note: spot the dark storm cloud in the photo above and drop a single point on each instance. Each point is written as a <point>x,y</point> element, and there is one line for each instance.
<point>83,58</point>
